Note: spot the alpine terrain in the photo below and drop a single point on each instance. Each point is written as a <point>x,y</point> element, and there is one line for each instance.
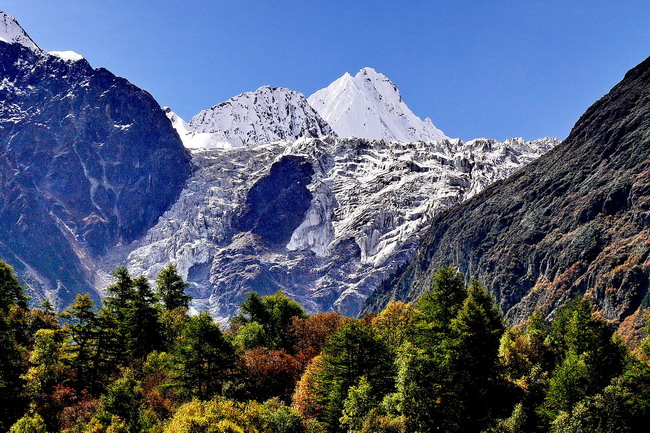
<point>269,197</point>
<point>369,105</point>
<point>326,220</point>
<point>574,222</point>
<point>89,161</point>
<point>265,115</point>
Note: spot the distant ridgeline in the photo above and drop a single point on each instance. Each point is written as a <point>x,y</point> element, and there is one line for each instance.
<point>447,363</point>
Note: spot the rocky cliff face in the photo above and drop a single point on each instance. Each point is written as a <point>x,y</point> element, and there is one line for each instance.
<point>89,162</point>
<point>324,219</point>
<point>574,222</point>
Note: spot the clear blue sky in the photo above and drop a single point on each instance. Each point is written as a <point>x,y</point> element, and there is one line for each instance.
<point>477,68</point>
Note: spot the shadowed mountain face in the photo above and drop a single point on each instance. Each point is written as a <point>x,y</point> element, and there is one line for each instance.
<point>88,161</point>
<point>276,204</point>
<point>575,221</point>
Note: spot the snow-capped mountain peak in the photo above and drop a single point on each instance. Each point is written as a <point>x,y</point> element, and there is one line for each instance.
<point>12,33</point>
<point>369,105</point>
<point>265,115</point>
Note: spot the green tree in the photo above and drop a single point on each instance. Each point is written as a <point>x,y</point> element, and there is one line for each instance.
<point>275,314</point>
<point>11,292</point>
<point>471,355</point>
<point>82,328</point>
<point>578,333</point>
<point>350,353</point>
<point>441,303</point>
<point>204,357</point>
<point>359,402</point>
<point>142,327</point>
<point>170,288</point>
<point>122,400</point>
<point>12,365</point>
<point>569,384</point>
<point>47,361</point>
<point>29,424</point>
<point>120,293</point>
<point>419,389</point>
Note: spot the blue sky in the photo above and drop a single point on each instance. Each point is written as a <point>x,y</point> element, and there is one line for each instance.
<point>477,68</point>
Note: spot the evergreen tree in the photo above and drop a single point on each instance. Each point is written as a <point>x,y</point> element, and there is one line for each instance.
<point>352,352</point>
<point>11,292</point>
<point>204,357</point>
<point>12,365</point>
<point>359,402</point>
<point>120,293</point>
<point>170,288</point>
<point>275,314</point>
<point>440,304</point>
<point>47,363</point>
<point>142,327</point>
<point>472,356</point>
<point>82,328</point>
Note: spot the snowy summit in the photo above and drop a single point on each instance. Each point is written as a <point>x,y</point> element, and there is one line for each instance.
<point>370,106</point>
<point>265,115</point>
<point>12,33</point>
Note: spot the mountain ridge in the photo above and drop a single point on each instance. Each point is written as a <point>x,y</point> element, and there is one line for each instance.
<point>571,223</point>
<point>89,162</point>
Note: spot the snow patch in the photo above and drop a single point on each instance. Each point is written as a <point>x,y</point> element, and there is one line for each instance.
<point>68,56</point>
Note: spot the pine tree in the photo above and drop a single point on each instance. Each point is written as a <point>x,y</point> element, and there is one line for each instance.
<point>440,304</point>
<point>11,292</point>
<point>142,326</point>
<point>204,357</point>
<point>352,352</point>
<point>12,366</point>
<point>471,356</point>
<point>82,328</point>
<point>170,288</point>
<point>275,314</point>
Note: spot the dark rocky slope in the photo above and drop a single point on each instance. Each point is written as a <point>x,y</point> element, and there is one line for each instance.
<point>88,161</point>
<point>575,221</point>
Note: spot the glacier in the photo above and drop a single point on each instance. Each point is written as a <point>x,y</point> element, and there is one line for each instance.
<point>368,201</point>
<point>323,197</point>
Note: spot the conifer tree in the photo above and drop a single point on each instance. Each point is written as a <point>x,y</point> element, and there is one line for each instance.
<point>170,288</point>
<point>82,328</point>
<point>204,357</point>
<point>12,365</point>
<point>11,292</point>
<point>142,327</point>
<point>352,352</point>
<point>472,355</point>
<point>440,304</point>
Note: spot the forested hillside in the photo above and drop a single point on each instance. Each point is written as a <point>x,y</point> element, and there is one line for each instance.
<point>448,363</point>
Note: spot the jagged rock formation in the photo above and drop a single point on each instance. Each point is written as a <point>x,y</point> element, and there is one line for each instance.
<point>370,106</point>
<point>575,221</point>
<point>89,161</point>
<point>265,115</point>
<point>324,219</point>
